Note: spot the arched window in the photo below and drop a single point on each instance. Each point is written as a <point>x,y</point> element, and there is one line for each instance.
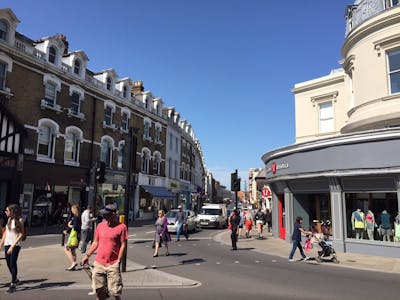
<point>170,175</point>
<point>77,67</point>
<point>52,54</point>
<point>73,138</point>
<point>145,161</point>
<point>157,163</point>
<point>3,73</point>
<point>107,145</point>
<point>3,30</point>
<point>47,134</point>
<point>108,81</point>
<point>121,155</point>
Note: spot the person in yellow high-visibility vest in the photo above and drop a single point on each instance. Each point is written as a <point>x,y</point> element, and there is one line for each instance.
<point>358,223</point>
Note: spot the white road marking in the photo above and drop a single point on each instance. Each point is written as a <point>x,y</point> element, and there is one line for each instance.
<point>236,262</point>
<point>218,263</point>
<point>257,261</point>
<point>274,260</point>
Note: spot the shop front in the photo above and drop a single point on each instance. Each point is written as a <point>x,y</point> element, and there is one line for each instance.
<point>332,182</point>
<point>50,190</point>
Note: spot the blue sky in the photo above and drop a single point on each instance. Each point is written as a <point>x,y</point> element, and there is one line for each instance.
<point>227,66</point>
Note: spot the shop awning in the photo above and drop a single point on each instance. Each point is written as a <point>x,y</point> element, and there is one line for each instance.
<point>158,192</point>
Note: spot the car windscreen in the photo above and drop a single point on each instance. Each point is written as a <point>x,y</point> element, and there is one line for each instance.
<point>171,214</point>
<point>211,211</point>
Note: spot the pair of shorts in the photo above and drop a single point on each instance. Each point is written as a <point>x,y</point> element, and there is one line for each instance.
<point>107,279</point>
<point>259,222</point>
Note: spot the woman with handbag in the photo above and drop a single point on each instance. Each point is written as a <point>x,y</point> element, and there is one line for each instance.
<point>74,229</point>
<point>161,234</point>
<point>11,240</point>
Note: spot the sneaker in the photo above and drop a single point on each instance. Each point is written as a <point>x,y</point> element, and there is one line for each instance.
<point>306,258</point>
<point>291,259</point>
<point>11,289</point>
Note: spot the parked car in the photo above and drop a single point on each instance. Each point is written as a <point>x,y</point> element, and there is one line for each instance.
<point>191,220</point>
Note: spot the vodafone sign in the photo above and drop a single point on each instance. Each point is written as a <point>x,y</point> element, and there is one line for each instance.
<point>274,167</point>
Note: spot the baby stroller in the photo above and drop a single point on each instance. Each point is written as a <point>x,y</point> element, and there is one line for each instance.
<point>326,251</point>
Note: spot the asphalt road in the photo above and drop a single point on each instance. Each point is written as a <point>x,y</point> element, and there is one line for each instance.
<point>230,274</point>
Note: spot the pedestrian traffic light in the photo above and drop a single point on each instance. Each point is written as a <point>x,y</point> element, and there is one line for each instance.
<point>101,172</point>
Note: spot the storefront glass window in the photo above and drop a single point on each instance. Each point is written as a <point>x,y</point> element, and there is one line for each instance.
<point>372,216</point>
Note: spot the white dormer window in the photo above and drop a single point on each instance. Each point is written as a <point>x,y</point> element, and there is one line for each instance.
<point>125,92</point>
<point>3,30</point>
<point>77,67</point>
<point>52,54</point>
<point>108,83</point>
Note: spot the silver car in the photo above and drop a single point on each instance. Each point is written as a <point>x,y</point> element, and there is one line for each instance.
<point>191,220</point>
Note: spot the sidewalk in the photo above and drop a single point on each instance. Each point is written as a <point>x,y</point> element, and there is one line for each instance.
<point>44,267</point>
<point>280,248</point>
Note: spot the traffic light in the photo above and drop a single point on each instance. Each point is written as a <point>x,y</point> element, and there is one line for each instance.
<point>233,181</point>
<point>101,172</point>
<point>237,185</point>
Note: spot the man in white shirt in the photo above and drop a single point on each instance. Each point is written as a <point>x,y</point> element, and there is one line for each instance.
<point>86,228</point>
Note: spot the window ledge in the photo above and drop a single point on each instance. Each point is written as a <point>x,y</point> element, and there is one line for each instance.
<point>123,130</point>
<point>71,113</point>
<point>71,163</point>
<point>45,159</point>
<point>57,108</point>
<point>6,91</point>
<point>112,126</point>
<point>147,138</point>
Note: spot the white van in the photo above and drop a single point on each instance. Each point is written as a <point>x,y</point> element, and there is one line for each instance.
<point>213,215</point>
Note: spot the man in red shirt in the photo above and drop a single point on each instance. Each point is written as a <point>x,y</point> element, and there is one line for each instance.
<point>110,239</point>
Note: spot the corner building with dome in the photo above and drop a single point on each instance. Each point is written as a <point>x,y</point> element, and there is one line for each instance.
<point>346,156</point>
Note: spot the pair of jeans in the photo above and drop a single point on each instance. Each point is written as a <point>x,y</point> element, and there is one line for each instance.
<point>12,262</point>
<point>179,231</point>
<point>86,238</point>
<point>234,238</point>
<point>297,244</point>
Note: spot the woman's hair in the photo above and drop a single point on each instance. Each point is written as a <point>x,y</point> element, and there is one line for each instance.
<point>15,214</point>
<point>77,210</point>
<point>298,219</point>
